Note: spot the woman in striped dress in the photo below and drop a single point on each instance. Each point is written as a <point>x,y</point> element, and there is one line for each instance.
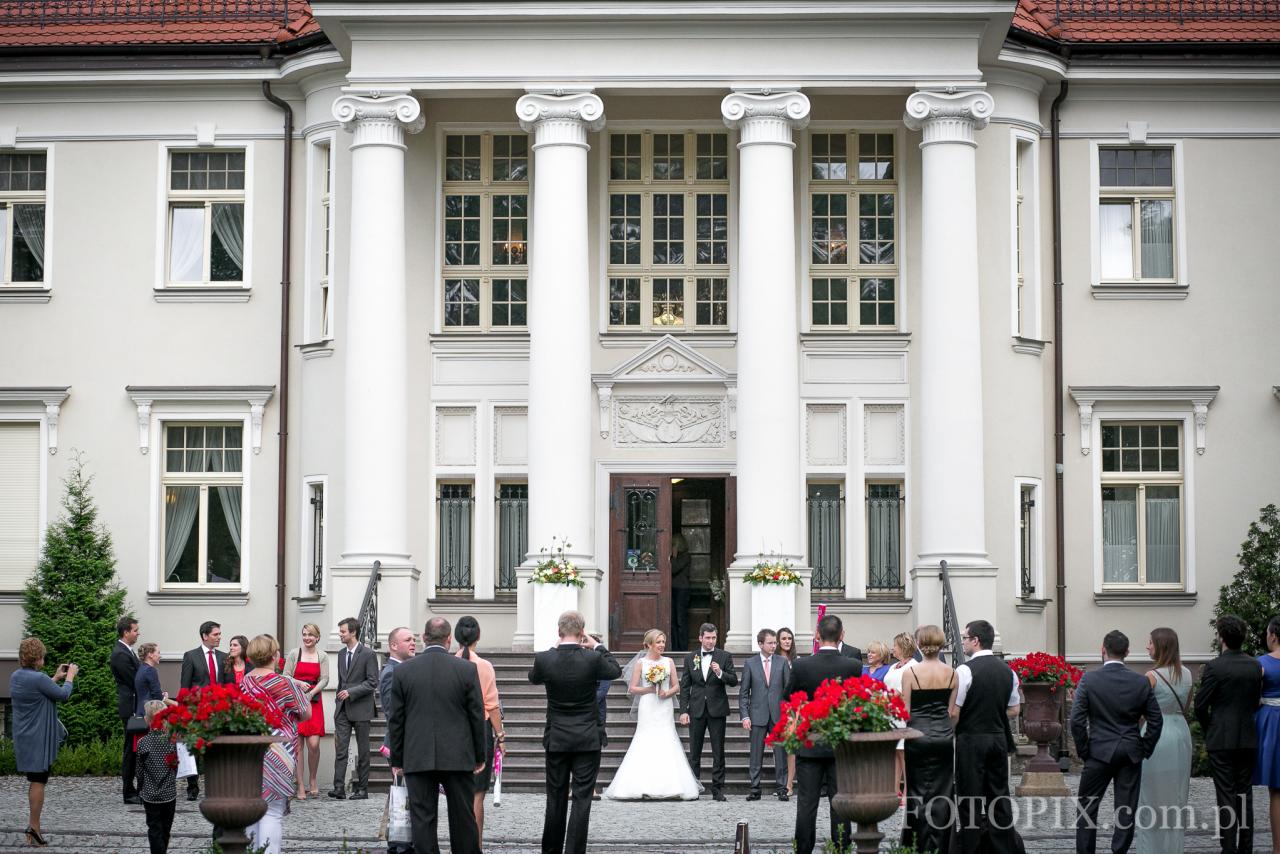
<point>289,698</point>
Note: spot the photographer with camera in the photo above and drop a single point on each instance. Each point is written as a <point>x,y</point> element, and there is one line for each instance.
<point>37,732</point>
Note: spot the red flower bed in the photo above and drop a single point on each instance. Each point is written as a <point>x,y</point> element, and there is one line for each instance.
<point>1043,668</point>
<point>202,714</point>
<point>837,710</point>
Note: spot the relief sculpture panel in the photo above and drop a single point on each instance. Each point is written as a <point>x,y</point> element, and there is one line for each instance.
<point>669,421</point>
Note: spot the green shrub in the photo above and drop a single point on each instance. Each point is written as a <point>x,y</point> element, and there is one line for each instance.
<point>1254,593</point>
<point>92,759</point>
<point>8,761</point>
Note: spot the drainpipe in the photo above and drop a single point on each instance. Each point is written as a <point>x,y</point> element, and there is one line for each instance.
<point>282,470</point>
<point>1059,439</point>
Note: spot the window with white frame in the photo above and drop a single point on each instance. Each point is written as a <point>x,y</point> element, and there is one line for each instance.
<point>1142,527</point>
<point>22,217</point>
<point>322,255</point>
<point>668,227</point>
<point>457,512</point>
<point>486,232</point>
<point>826,541</point>
<point>1025,240</point>
<point>206,217</point>
<point>203,483</point>
<point>1028,539</point>
<point>884,538</point>
<point>315,537</point>
<point>1136,215</point>
<point>513,532</point>
<point>19,502</point>
<point>853,251</point>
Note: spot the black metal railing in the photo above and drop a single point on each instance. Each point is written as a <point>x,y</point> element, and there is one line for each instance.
<point>884,539</point>
<point>513,532</point>
<point>1167,10</point>
<point>50,12</point>
<point>369,609</point>
<point>950,623</point>
<point>457,509</point>
<point>317,540</point>
<point>824,542</point>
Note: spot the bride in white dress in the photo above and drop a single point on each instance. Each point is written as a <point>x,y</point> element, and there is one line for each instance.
<point>655,767</point>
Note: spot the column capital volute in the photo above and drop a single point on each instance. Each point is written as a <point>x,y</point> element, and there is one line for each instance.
<point>765,117</point>
<point>560,117</point>
<point>948,115</point>
<point>378,116</point>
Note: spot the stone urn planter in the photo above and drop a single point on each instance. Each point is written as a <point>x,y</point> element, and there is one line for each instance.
<point>866,794</point>
<point>1042,723</point>
<point>233,786</point>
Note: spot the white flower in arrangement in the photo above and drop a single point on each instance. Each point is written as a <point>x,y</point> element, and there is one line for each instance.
<point>555,568</point>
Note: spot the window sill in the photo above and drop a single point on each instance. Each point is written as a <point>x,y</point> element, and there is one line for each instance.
<point>1029,346</point>
<point>873,604</point>
<point>197,597</point>
<point>202,294</point>
<point>15,294</point>
<point>705,338</point>
<point>1031,606</point>
<point>310,604</point>
<point>1140,292</point>
<point>503,603</point>
<point>880,340</point>
<point>1144,598</point>
<point>316,350</point>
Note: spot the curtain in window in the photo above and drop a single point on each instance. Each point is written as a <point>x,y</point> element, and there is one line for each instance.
<point>181,505</point>
<point>513,539</point>
<point>1163,516</point>
<point>186,245</point>
<point>1115,232</point>
<point>824,542</point>
<point>230,498</point>
<point>455,543</point>
<point>1120,534</point>
<point>883,543</point>
<point>228,232</point>
<point>1157,239</point>
<point>29,220</point>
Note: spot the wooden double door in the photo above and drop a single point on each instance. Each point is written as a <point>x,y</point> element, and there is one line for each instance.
<point>645,513</point>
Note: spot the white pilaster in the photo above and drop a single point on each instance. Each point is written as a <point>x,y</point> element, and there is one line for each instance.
<point>561,397</point>
<point>770,506</point>
<point>951,491</point>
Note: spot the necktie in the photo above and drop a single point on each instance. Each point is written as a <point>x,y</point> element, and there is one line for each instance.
<point>706,664</point>
<point>346,662</point>
<point>213,670</point>
<point>766,672</point>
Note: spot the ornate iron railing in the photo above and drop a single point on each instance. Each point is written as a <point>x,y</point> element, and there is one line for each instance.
<point>457,508</point>
<point>368,616</point>
<point>50,12</point>
<point>1167,10</point>
<point>950,623</point>
<point>824,542</point>
<point>513,532</point>
<point>884,539</point>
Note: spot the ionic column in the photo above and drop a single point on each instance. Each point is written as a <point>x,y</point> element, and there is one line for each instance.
<point>950,490</point>
<point>376,417</point>
<point>770,505</point>
<point>561,492</point>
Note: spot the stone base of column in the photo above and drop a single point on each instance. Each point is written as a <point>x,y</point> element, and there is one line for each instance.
<point>522,638</point>
<point>399,602</point>
<point>974,586</point>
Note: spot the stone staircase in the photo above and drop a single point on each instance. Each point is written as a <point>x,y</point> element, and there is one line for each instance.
<point>525,713</point>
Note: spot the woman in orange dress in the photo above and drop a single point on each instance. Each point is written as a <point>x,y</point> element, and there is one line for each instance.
<point>310,666</point>
<point>467,634</point>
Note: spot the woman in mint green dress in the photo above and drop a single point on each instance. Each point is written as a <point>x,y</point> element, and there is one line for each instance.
<point>1166,775</point>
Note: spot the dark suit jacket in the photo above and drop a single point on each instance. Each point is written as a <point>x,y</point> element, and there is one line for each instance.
<point>758,701</point>
<point>124,667</point>
<point>147,687</point>
<point>440,693</point>
<point>195,668</point>
<point>1109,707</point>
<point>810,672</point>
<point>706,698</point>
<point>384,694</point>
<point>572,675</point>
<point>850,651</point>
<point>1227,700</point>
<point>360,681</point>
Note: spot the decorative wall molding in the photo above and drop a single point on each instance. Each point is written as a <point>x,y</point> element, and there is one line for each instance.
<point>254,397</point>
<point>50,398</point>
<point>503,453</point>
<point>378,116</point>
<point>447,456</point>
<point>949,115</point>
<point>838,452</point>
<point>765,117</point>
<point>1097,399</point>
<point>560,116</point>
<point>899,457</point>
<point>673,421</point>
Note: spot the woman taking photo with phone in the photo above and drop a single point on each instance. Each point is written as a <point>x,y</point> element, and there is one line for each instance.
<point>37,732</point>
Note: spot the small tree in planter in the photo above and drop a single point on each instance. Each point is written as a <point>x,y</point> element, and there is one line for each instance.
<point>1253,594</point>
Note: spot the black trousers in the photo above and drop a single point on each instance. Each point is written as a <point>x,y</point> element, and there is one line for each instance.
<point>1233,784</point>
<point>566,771</point>
<point>697,732</point>
<point>680,618</point>
<point>129,763</point>
<point>756,767</point>
<point>159,823</point>
<point>424,809</point>
<point>982,793</point>
<point>342,728</point>
<point>814,777</point>
<point>1126,776</point>
<point>193,782</point>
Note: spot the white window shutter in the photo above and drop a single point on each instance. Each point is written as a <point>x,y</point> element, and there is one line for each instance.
<point>19,502</point>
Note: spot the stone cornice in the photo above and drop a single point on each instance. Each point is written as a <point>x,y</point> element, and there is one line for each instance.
<point>378,117</point>
<point>255,397</point>
<point>1194,397</point>
<point>766,117</point>
<point>949,115</point>
<point>559,117</point>
<point>50,397</point>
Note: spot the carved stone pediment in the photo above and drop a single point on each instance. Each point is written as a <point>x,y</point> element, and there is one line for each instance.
<point>673,420</point>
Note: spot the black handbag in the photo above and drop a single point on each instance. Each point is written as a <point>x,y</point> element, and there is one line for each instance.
<point>136,725</point>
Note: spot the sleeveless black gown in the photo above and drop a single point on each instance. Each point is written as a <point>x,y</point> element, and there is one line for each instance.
<point>930,762</point>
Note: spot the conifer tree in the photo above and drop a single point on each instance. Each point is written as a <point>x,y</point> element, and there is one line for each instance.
<point>1254,593</point>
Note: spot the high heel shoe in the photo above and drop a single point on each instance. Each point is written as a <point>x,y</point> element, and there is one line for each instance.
<point>34,837</point>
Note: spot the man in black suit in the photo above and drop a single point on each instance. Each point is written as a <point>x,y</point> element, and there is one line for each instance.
<point>572,673</point>
<point>816,766</point>
<point>850,651</point>
<point>124,667</point>
<point>1226,702</point>
<point>1110,705</point>
<point>435,732</point>
<point>705,703</point>
<point>201,667</point>
<point>353,709</point>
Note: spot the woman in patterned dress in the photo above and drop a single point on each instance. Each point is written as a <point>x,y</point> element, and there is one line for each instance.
<point>289,698</point>
<point>310,666</point>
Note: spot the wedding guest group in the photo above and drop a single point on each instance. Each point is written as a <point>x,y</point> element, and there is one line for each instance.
<point>353,709</point>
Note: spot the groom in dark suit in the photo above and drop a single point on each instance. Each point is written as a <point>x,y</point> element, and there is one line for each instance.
<point>707,671</point>
<point>572,673</point>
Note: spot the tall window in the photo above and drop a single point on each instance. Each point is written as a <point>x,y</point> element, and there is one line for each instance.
<point>1141,503</point>
<point>315,498</point>
<point>513,531</point>
<point>884,538</point>
<point>22,210</point>
<point>206,217</point>
<point>853,230</point>
<point>324,158</point>
<point>668,231</point>
<point>1026,275</point>
<point>826,550</point>
<point>486,232</point>
<point>19,502</point>
<point>1027,535</point>
<point>457,506</point>
<point>1135,215</point>
<point>203,484</point>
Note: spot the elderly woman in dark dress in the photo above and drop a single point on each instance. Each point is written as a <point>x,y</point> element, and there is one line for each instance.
<point>37,732</point>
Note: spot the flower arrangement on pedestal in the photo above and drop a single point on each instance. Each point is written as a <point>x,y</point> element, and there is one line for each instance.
<point>772,570</point>
<point>838,710</point>
<point>556,568</point>
<point>1045,668</point>
<point>203,714</point>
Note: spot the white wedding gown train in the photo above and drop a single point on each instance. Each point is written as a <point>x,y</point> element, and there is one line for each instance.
<point>655,767</point>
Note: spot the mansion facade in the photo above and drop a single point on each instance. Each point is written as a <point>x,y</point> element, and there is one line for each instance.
<point>819,284</point>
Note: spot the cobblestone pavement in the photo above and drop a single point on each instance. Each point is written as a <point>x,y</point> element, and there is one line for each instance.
<point>85,815</point>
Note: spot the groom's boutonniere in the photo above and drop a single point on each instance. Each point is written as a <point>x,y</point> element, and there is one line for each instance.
<point>697,661</point>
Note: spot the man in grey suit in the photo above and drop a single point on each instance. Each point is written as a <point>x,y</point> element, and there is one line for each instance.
<point>353,709</point>
<point>759,702</point>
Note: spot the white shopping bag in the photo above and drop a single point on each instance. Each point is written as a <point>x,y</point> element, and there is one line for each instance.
<point>497,776</point>
<point>398,829</point>
<point>186,762</point>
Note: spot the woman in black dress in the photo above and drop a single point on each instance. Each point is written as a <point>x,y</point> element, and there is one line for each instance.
<point>928,690</point>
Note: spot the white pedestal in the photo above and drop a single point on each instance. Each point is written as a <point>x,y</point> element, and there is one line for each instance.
<point>549,602</point>
<point>772,606</point>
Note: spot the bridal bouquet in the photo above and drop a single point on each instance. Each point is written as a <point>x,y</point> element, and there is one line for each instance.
<point>1044,668</point>
<point>838,710</point>
<point>555,568</point>
<point>203,714</point>
<point>656,675</point>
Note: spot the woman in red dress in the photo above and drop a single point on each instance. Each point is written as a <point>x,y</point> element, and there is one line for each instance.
<point>310,666</point>
<point>236,657</point>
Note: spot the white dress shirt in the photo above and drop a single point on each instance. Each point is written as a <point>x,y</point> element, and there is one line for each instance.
<point>965,677</point>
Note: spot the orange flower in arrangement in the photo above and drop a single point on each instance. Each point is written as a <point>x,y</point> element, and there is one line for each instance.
<point>203,714</point>
<point>837,710</point>
<point>770,570</point>
<point>1042,667</point>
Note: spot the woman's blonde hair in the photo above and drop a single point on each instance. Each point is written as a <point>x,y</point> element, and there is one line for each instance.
<point>263,651</point>
<point>30,651</point>
<point>152,708</point>
<point>905,644</point>
<point>311,627</point>
<point>146,649</point>
<point>651,637</point>
<point>931,640</point>
<point>881,649</point>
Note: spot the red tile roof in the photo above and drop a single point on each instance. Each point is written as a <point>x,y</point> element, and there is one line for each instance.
<point>152,23</point>
<point>1150,22</point>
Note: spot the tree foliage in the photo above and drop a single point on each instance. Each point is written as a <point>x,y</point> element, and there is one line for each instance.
<point>72,604</point>
<point>1254,593</point>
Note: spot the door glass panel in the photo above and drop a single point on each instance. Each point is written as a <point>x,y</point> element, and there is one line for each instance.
<point>642,529</point>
